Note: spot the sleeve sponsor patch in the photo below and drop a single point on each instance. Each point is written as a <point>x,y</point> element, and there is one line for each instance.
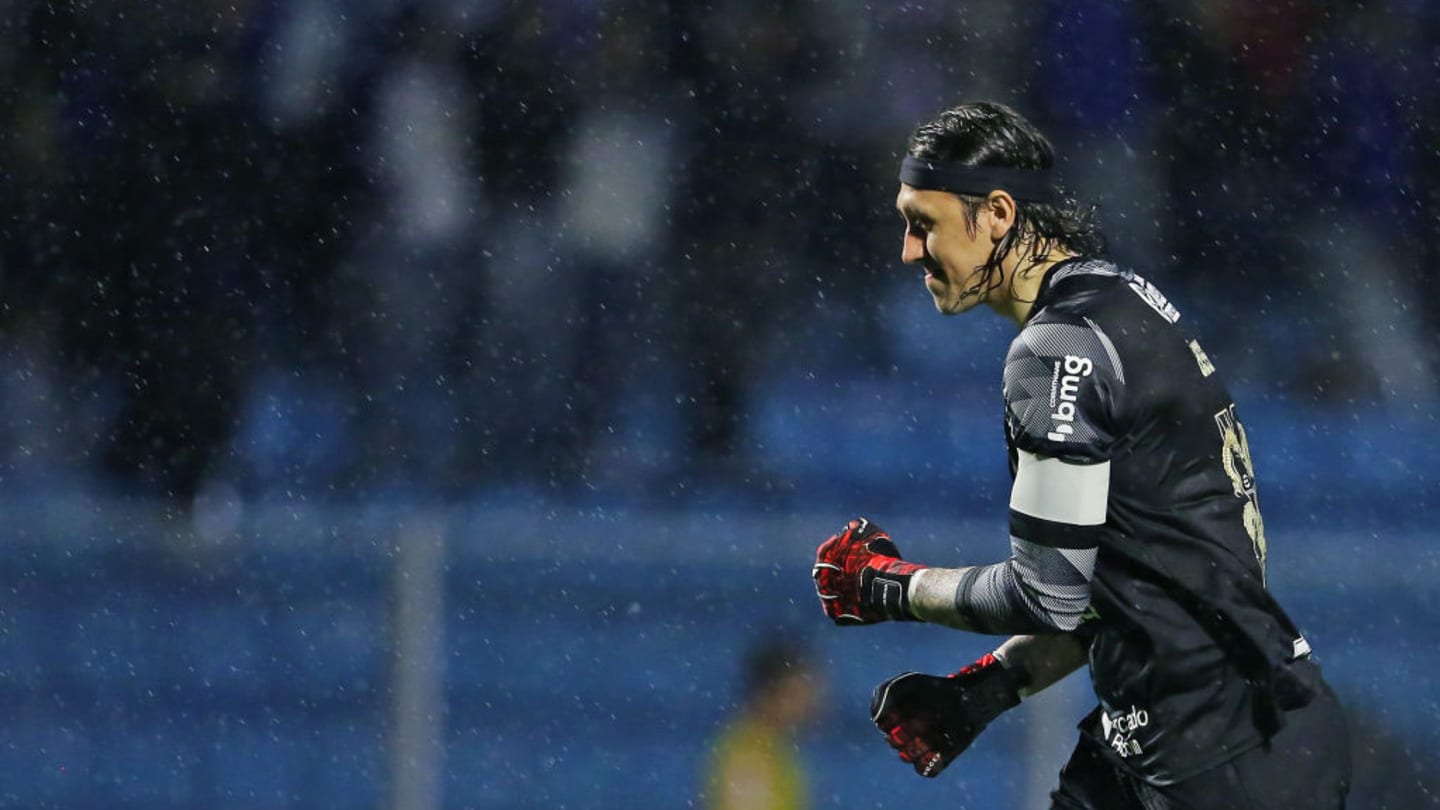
<point>1061,380</point>
<point>1064,393</point>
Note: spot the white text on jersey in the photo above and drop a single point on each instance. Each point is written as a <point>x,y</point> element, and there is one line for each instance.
<point>1064,391</point>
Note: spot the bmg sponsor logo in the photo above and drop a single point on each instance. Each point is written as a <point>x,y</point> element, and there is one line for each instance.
<point>1064,391</point>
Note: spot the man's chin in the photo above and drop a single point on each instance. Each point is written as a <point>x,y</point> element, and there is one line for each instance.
<point>953,307</point>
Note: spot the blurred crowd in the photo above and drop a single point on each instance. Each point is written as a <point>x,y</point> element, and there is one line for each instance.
<point>324,247</point>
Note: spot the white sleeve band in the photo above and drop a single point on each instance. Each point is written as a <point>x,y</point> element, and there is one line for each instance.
<point>1054,490</point>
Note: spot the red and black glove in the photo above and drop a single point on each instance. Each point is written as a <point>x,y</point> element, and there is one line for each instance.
<point>930,720</point>
<point>860,577</point>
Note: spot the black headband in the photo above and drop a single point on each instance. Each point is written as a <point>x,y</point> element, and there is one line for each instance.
<point>1032,185</point>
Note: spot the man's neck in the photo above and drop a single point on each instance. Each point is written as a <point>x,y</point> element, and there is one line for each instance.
<point>1021,287</point>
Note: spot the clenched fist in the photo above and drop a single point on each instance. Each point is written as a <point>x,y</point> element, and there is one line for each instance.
<point>860,577</point>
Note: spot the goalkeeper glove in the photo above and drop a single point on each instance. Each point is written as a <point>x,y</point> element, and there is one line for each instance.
<point>930,720</point>
<point>860,577</point>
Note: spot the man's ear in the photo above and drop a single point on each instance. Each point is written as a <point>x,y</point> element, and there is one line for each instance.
<point>1002,213</point>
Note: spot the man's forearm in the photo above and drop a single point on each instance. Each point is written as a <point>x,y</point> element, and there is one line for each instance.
<point>932,597</point>
<point>1040,661</point>
<point>1040,589</point>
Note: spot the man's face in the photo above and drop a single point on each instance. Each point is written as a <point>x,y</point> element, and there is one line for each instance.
<point>940,238</point>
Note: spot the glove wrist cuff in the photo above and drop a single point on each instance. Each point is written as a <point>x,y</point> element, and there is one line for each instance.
<point>889,592</point>
<point>989,686</point>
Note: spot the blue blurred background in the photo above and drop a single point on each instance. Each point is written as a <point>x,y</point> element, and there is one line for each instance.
<point>426,403</point>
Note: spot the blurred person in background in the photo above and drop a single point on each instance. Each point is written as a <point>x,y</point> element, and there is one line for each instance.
<point>626,155</point>
<point>522,329</point>
<point>1135,532</point>
<point>410,269</point>
<point>754,762</point>
<point>737,218</point>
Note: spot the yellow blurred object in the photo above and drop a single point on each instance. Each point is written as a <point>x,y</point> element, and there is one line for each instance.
<point>755,766</point>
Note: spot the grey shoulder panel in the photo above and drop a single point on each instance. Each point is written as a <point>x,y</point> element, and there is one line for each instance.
<point>1063,378</point>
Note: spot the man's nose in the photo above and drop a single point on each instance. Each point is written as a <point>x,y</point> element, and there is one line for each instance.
<point>913,249</point>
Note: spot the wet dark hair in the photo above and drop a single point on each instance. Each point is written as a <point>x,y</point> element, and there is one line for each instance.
<point>984,133</point>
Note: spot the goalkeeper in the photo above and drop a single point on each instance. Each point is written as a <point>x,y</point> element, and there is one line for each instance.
<point>1136,542</point>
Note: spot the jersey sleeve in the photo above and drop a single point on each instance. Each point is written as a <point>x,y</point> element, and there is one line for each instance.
<point>1064,385</point>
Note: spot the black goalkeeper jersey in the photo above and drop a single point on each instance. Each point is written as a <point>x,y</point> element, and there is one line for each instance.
<point>1190,655</point>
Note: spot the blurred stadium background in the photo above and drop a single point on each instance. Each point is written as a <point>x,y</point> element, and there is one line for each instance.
<point>424,403</point>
